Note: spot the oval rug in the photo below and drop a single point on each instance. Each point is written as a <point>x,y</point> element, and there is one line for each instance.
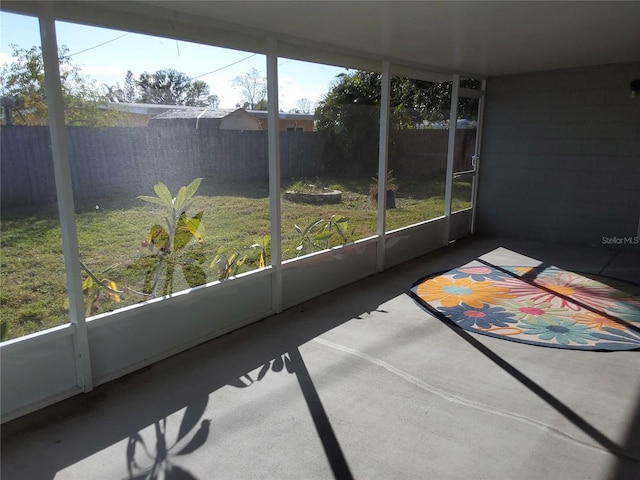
<point>545,306</point>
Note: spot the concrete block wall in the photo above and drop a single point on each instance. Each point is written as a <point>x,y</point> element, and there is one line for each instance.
<point>560,157</point>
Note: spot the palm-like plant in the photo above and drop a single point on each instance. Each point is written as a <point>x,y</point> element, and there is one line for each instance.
<point>169,242</point>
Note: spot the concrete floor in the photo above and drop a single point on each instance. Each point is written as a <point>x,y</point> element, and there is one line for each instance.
<point>360,383</point>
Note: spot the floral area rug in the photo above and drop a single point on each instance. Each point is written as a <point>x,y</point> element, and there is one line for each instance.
<point>544,306</point>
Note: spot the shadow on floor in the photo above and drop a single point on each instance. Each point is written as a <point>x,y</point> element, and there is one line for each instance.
<point>81,426</point>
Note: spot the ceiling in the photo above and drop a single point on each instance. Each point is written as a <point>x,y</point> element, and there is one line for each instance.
<point>481,38</point>
<point>484,38</point>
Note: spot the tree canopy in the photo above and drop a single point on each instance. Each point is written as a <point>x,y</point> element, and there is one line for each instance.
<point>24,98</point>
<point>412,101</point>
<point>349,115</point>
<point>171,87</point>
<point>163,87</point>
<point>22,89</point>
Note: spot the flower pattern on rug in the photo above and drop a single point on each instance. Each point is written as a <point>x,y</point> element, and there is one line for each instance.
<point>479,274</point>
<point>451,292</point>
<point>544,306</point>
<point>563,289</point>
<point>562,331</point>
<point>483,317</point>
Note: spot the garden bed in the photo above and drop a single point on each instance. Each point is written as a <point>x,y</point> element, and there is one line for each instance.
<point>314,195</point>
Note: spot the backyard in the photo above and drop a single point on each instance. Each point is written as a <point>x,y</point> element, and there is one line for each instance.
<point>114,242</point>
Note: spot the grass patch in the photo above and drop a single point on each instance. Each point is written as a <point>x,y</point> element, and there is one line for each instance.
<point>33,292</point>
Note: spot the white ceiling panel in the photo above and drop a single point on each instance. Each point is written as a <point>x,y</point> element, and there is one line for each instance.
<point>487,38</point>
<point>472,37</point>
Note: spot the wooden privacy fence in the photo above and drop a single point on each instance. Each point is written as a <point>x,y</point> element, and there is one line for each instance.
<point>130,160</point>
<point>424,152</point>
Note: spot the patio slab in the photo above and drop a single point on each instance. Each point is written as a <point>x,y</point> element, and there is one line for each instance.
<point>359,383</point>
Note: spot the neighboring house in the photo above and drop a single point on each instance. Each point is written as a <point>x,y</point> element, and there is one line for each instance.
<point>207,117</point>
<point>289,122</point>
<point>139,114</point>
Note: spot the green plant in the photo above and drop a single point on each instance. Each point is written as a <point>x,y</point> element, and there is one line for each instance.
<point>319,234</point>
<point>33,292</point>
<point>263,247</point>
<point>391,188</point>
<point>228,262</point>
<point>95,289</point>
<point>392,185</point>
<point>169,245</point>
<point>316,185</point>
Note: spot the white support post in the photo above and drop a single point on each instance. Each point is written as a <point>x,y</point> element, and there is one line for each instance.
<point>478,155</point>
<point>274,174</point>
<point>448,189</point>
<point>383,163</point>
<point>64,192</point>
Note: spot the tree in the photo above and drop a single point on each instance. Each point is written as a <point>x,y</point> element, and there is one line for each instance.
<point>412,101</point>
<point>261,105</point>
<point>349,115</point>
<point>171,87</point>
<point>23,81</point>
<point>113,93</point>
<point>129,91</point>
<point>213,100</point>
<point>253,88</point>
<point>197,94</point>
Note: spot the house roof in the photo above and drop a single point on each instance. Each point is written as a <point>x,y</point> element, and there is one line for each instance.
<point>140,108</point>
<point>282,115</point>
<point>197,112</point>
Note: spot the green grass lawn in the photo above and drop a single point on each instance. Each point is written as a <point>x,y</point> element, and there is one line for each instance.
<point>111,232</point>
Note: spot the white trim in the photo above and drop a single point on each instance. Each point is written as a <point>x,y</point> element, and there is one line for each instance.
<point>476,177</point>
<point>448,190</point>
<point>273,135</point>
<point>290,263</point>
<point>64,192</point>
<point>170,300</point>
<point>37,338</point>
<point>383,161</point>
<point>414,225</point>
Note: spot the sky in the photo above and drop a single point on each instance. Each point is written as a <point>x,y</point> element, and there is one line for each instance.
<point>105,55</point>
